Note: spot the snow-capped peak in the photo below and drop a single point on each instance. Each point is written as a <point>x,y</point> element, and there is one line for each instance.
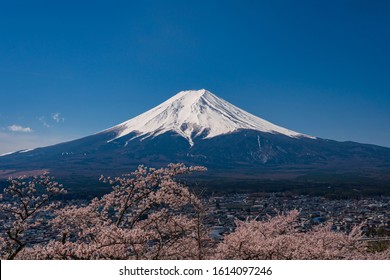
<point>193,113</point>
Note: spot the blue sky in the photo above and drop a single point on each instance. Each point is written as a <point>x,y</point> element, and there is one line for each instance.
<point>72,68</point>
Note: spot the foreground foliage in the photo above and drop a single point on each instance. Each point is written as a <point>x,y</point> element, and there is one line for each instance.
<point>150,215</point>
<point>277,239</point>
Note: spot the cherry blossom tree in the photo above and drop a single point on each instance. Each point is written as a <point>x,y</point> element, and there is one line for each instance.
<point>148,215</point>
<point>24,204</point>
<point>277,238</point>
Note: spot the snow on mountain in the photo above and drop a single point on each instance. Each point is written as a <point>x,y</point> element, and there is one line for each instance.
<point>196,113</point>
<point>6,154</point>
<point>20,152</point>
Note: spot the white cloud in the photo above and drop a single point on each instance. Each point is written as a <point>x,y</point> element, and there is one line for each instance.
<point>43,121</point>
<point>19,128</point>
<point>57,117</point>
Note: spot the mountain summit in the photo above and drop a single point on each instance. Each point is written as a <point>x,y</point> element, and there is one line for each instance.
<point>198,128</point>
<point>195,113</point>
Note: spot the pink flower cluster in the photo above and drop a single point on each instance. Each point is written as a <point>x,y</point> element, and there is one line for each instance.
<point>278,239</point>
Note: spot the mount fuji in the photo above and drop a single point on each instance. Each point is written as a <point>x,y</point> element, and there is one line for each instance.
<point>198,128</point>
<point>196,113</point>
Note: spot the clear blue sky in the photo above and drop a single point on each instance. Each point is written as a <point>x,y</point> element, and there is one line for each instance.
<point>72,68</point>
